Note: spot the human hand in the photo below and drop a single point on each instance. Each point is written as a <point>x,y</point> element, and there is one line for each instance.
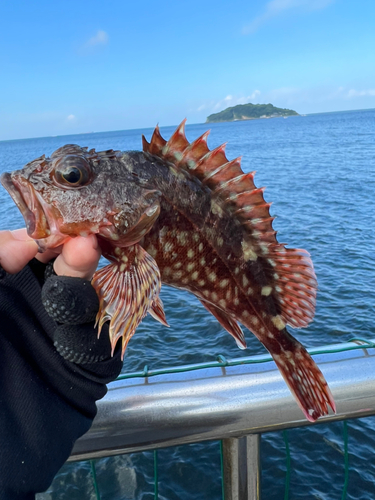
<point>68,296</point>
<point>78,257</point>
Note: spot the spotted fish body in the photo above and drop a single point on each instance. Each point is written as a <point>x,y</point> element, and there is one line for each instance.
<point>183,215</point>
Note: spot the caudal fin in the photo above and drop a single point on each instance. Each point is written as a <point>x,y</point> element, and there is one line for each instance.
<point>306,382</point>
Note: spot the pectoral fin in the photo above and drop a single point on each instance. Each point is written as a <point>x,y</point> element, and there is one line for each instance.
<point>127,289</point>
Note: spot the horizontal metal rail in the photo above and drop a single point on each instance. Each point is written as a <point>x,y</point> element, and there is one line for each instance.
<point>220,403</point>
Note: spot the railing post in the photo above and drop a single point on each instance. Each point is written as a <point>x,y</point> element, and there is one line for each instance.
<point>241,468</point>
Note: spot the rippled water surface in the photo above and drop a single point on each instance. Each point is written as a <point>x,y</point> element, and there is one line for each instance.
<point>320,175</point>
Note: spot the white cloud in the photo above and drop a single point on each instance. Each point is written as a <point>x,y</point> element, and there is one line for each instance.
<point>231,100</point>
<point>101,38</point>
<point>254,96</point>
<point>70,118</point>
<point>276,7</point>
<point>360,93</point>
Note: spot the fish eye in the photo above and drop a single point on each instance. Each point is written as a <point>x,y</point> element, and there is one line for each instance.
<point>72,171</point>
<point>72,175</point>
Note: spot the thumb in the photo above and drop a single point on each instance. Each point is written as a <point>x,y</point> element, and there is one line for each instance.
<point>79,258</point>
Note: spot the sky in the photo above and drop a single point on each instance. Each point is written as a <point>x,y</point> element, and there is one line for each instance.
<point>71,67</point>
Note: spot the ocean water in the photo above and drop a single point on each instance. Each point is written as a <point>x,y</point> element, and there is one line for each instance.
<point>320,175</point>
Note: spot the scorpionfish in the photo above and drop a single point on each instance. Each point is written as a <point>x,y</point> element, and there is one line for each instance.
<point>180,214</point>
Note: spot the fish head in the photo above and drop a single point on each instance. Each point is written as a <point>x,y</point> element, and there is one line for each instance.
<point>78,192</point>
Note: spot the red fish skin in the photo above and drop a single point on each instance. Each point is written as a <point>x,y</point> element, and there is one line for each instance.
<point>200,251</point>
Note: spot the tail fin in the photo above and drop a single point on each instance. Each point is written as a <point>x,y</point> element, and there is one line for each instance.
<point>306,381</point>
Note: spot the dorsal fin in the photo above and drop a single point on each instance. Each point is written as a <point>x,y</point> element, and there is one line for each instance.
<point>290,271</point>
<point>156,144</point>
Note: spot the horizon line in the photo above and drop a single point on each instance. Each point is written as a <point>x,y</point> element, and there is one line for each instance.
<point>165,126</point>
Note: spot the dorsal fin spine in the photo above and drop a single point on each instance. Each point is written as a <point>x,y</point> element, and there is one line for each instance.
<point>192,153</point>
<point>221,168</point>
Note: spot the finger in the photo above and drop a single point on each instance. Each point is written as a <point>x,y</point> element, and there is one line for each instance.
<point>16,250</point>
<point>79,258</point>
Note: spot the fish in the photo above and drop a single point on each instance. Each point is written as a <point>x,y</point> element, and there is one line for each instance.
<point>186,216</point>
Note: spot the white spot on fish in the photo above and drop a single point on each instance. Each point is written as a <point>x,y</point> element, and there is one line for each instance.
<point>200,282</point>
<point>190,253</point>
<point>122,268</point>
<point>177,265</point>
<point>182,237</point>
<point>278,322</point>
<point>195,275</point>
<point>168,247</point>
<point>117,251</point>
<point>222,303</point>
<point>202,261</point>
<point>272,262</point>
<point>248,251</point>
<point>220,242</point>
<point>124,258</point>
<point>200,247</point>
<point>223,283</point>
<point>177,275</point>
<point>212,276</point>
<point>266,290</point>
<point>214,296</point>
<point>190,266</point>
<point>236,301</point>
<point>245,281</point>
<point>254,320</point>
<point>216,208</point>
<point>167,271</point>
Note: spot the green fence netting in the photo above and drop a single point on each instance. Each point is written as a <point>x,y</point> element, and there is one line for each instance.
<point>358,343</point>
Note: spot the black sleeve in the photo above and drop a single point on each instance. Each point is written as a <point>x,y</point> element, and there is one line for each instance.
<point>46,401</point>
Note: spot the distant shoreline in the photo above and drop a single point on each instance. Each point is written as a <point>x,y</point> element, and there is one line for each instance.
<point>151,128</point>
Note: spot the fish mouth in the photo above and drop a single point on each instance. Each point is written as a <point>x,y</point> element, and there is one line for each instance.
<point>24,196</point>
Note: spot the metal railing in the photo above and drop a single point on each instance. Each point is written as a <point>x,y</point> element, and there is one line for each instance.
<point>231,400</point>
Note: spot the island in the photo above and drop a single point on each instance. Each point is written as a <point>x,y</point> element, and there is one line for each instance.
<point>250,112</point>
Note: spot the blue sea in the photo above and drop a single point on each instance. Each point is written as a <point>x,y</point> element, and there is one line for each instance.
<point>319,171</point>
